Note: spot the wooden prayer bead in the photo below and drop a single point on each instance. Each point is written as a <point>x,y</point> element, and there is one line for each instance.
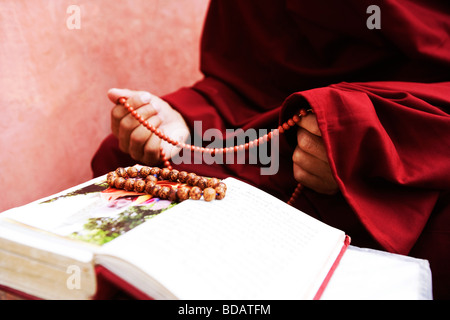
<point>121,172</point>
<point>155,170</point>
<point>132,172</point>
<point>111,174</point>
<point>151,178</point>
<point>155,190</point>
<point>173,176</point>
<point>222,185</point>
<point>195,193</point>
<point>164,174</point>
<point>111,182</point>
<point>193,180</point>
<point>209,194</point>
<point>139,185</point>
<point>212,183</point>
<point>190,177</point>
<point>202,183</point>
<point>182,176</point>
<point>119,183</point>
<point>183,193</point>
<point>149,186</point>
<point>110,178</point>
<point>129,185</point>
<point>164,192</point>
<point>144,172</point>
<point>172,195</point>
<point>220,192</point>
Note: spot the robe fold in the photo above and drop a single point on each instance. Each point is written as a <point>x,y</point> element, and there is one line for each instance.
<point>382,101</point>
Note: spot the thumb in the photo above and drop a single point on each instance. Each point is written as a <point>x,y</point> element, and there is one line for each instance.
<point>179,135</point>
<point>139,97</point>
<point>114,94</point>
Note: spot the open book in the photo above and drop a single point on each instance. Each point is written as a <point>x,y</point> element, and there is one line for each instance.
<point>250,245</point>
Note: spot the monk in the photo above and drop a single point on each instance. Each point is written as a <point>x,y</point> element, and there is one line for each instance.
<point>374,154</point>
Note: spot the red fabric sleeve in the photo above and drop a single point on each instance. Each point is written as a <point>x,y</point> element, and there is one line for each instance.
<point>389,149</point>
<point>219,106</point>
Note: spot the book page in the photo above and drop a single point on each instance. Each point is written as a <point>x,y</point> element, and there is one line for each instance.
<point>249,245</point>
<point>368,274</point>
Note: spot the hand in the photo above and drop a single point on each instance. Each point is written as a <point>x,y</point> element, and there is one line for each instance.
<point>311,166</point>
<point>136,140</point>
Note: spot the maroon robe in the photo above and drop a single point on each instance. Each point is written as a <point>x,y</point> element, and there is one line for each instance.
<point>381,100</point>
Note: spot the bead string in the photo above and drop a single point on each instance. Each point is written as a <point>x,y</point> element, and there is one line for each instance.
<point>166,184</point>
<point>267,137</point>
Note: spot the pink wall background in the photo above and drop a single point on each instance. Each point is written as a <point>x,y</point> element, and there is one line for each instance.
<point>54,109</point>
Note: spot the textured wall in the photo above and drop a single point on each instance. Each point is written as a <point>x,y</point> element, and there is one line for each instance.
<point>54,109</point>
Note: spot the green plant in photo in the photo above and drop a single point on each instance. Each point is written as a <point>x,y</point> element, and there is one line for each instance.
<point>104,229</point>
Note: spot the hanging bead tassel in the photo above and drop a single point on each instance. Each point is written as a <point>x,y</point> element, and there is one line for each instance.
<point>295,194</point>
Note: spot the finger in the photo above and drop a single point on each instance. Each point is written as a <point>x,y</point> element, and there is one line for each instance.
<point>311,144</point>
<point>136,100</point>
<point>312,164</point>
<point>309,123</point>
<point>151,155</point>
<point>121,117</point>
<point>127,124</point>
<point>117,113</point>
<point>139,138</point>
<point>314,182</point>
<point>114,94</point>
<point>139,99</point>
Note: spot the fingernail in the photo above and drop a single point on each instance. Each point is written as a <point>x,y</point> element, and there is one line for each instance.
<point>145,97</point>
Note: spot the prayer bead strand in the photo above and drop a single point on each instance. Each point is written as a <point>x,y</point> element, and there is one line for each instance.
<point>265,138</point>
<point>145,180</point>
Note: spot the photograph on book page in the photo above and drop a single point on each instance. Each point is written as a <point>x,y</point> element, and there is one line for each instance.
<point>92,213</point>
